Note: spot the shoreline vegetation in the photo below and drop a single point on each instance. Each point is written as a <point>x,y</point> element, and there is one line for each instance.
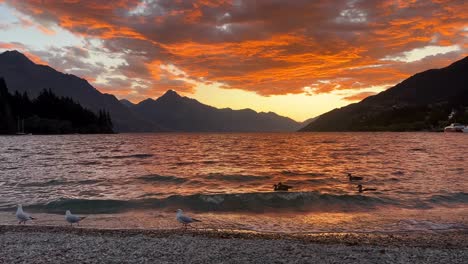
<point>48,114</point>
<point>47,244</point>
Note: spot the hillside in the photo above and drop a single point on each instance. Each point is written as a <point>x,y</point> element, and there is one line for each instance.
<point>23,75</point>
<point>47,114</point>
<point>421,102</point>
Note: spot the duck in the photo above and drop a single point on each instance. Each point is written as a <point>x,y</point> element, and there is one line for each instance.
<point>360,189</point>
<point>281,187</point>
<point>354,178</point>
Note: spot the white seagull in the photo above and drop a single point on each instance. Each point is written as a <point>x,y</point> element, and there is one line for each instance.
<point>185,220</point>
<point>73,218</point>
<point>22,216</point>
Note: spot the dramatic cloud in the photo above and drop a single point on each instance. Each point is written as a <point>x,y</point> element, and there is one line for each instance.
<point>268,47</point>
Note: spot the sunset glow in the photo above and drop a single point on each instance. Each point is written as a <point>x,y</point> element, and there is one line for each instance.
<point>297,58</point>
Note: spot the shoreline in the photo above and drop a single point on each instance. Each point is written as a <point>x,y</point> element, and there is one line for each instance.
<point>441,239</point>
<point>60,244</point>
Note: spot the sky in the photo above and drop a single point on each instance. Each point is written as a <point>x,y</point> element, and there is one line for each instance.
<point>298,58</point>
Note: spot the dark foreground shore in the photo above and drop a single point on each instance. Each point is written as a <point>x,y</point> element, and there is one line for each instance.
<point>44,244</point>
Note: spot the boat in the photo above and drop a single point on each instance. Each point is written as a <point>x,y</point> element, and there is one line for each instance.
<point>455,127</point>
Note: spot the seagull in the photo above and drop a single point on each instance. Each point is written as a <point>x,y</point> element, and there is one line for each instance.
<point>73,218</point>
<point>22,216</point>
<point>354,178</point>
<point>185,220</point>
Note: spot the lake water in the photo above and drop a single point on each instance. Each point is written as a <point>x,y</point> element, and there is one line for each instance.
<point>225,179</point>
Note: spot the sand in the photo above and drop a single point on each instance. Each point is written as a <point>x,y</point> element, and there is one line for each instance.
<point>45,244</point>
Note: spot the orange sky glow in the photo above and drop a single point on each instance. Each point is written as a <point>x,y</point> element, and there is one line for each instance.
<point>299,58</point>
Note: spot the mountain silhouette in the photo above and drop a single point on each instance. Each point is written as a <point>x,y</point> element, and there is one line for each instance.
<point>170,112</point>
<point>23,75</point>
<point>177,113</point>
<point>127,103</point>
<point>421,102</point>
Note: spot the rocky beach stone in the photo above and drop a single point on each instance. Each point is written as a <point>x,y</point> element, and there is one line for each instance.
<point>42,244</point>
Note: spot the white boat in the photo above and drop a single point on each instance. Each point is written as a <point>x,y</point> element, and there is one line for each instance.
<point>455,127</point>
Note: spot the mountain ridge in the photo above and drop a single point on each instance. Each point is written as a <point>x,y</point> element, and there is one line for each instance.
<point>420,102</point>
<point>180,113</point>
<point>23,75</point>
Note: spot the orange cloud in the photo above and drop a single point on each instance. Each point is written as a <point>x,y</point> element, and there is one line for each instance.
<point>358,96</point>
<point>268,47</point>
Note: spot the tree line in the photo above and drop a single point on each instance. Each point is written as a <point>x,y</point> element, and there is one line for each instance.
<point>48,114</point>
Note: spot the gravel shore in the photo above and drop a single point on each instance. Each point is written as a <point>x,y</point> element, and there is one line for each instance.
<point>44,244</point>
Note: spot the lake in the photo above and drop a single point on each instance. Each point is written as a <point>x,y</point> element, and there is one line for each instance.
<point>226,179</point>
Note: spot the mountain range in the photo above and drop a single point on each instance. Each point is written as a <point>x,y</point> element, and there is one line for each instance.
<point>426,101</point>
<point>174,112</point>
<point>170,112</point>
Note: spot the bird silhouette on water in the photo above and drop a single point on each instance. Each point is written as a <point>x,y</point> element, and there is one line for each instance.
<point>354,178</point>
<point>281,187</point>
<point>360,189</point>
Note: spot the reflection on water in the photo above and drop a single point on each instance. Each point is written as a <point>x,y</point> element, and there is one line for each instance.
<point>232,175</point>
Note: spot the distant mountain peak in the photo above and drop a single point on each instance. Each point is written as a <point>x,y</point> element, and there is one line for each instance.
<point>15,56</point>
<point>127,103</point>
<point>171,93</point>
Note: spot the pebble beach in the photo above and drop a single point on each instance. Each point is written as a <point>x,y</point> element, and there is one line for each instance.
<point>46,244</point>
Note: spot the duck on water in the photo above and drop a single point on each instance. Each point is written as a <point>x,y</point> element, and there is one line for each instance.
<point>354,178</point>
<point>360,189</point>
<point>281,187</point>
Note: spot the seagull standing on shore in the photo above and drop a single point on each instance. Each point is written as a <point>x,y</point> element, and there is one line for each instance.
<point>185,220</point>
<point>22,216</point>
<point>70,218</point>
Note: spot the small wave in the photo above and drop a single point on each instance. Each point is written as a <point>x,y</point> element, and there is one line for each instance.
<point>56,182</point>
<point>348,149</point>
<point>138,156</point>
<point>418,149</point>
<point>209,161</point>
<point>15,149</point>
<point>456,169</point>
<point>161,178</point>
<point>424,225</point>
<point>10,168</point>
<point>328,142</point>
<point>460,197</point>
<point>184,163</point>
<point>298,173</point>
<point>235,177</point>
<point>88,162</point>
<point>241,202</point>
